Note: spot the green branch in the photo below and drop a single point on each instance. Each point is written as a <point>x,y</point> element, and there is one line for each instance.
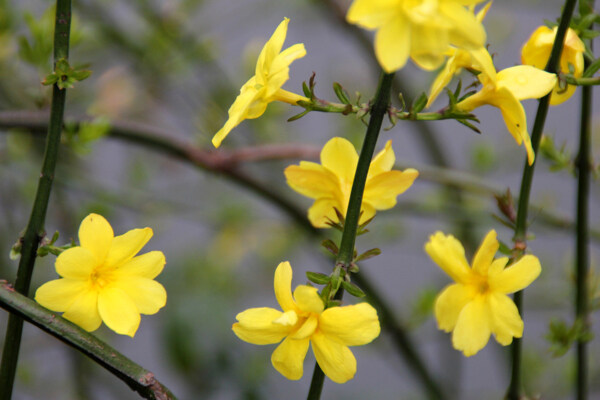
<point>35,228</point>
<point>514,388</point>
<point>136,377</point>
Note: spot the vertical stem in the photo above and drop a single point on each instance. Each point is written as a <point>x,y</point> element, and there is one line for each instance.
<point>519,238</point>
<point>35,227</point>
<point>582,257</point>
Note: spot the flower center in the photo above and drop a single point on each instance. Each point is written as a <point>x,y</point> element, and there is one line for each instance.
<point>99,279</point>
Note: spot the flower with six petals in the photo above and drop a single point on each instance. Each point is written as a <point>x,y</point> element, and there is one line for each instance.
<point>477,305</point>
<point>272,71</point>
<point>536,51</point>
<point>330,183</point>
<point>504,90</point>
<point>421,29</point>
<point>303,321</point>
<point>104,280</point>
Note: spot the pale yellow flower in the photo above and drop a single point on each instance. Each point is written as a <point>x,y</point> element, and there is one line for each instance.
<point>504,90</point>
<point>303,321</point>
<point>421,29</point>
<point>330,183</point>
<point>536,51</point>
<point>272,71</point>
<point>477,305</point>
<point>104,280</point>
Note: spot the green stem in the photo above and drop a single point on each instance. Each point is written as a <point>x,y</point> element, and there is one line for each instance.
<point>136,377</point>
<point>571,80</point>
<point>582,257</point>
<point>514,388</point>
<point>35,228</point>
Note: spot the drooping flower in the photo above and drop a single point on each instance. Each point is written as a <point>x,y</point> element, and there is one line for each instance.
<point>421,29</point>
<point>104,280</point>
<point>477,59</point>
<point>330,183</point>
<point>477,305</point>
<point>272,71</point>
<point>303,321</point>
<point>536,51</point>
<point>504,90</point>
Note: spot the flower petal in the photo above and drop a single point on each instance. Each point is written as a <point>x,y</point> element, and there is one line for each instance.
<point>308,299</point>
<point>84,311</point>
<point>96,235</point>
<point>148,295</point>
<point>118,311</point>
<point>279,71</point>
<point>526,82</point>
<point>340,157</point>
<point>381,190</point>
<point>371,14</point>
<point>148,265</point>
<point>59,294</point>
<point>516,276</point>
<point>449,304</point>
<point>283,287</point>
<point>125,247</point>
<point>256,326</point>
<point>515,119</point>
<point>238,111</point>
<point>393,43</point>
<point>288,357</point>
<point>473,329</point>
<point>505,318</point>
<point>323,210</point>
<point>307,329</point>
<point>270,50</point>
<point>449,255</point>
<point>312,180</point>
<point>75,263</point>
<point>485,254</point>
<point>335,359</point>
<point>351,325</point>
<point>429,45</point>
<point>467,31</point>
<point>383,161</point>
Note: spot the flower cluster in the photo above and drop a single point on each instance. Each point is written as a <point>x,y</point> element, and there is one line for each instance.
<point>104,280</point>
<point>331,182</point>
<point>304,321</point>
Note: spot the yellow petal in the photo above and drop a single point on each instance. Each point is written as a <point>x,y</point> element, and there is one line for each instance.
<point>473,329</point>
<point>118,311</point>
<point>59,294</point>
<point>84,311</point>
<point>271,49</point>
<point>485,254</point>
<point>428,45</point>
<point>367,212</point>
<point>381,190</point>
<point>147,265</point>
<point>383,161</point>
<point>339,156</point>
<point>442,80</point>
<point>148,295</point>
<point>516,276</point>
<point>351,325</point>
<point>288,318</point>
<point>371,14</point>
<point>307,329</point>
<point>497,267</point>
<point>323,211</point>
<point>308,299</point>
<point>526,82</point>
<point>505,318</point>
<point>312,180</point>
<point>392,43</point>
<point>75,263</point>
<point>449,255</point>
<point>238,111</point>
<point>283,286</point>
<point>515,119</point>
<point>256,326</point>
<point>466,32</point>
<point>288,357</point>
<point>279,71</point>
<point>482,61</point>
<point>126,246</point>
<point>450,303</point>
<point>335,359</point>
<point>96,235</point>
<point>536,50</point>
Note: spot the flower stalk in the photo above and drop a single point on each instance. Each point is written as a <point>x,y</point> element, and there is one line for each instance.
<point>35,228</point>
<point>519,239</point>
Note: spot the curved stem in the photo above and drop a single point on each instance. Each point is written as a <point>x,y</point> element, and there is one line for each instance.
<point>136,377</point>
<point>519,238</point>
<point>35,227</point>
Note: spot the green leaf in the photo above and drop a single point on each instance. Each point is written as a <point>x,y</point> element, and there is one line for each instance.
<point>368,254</point>
<point>419,104</point>
<point>331,246</point>
<point>353,289</point>
<point>318,278</point>
<point>341,93</point>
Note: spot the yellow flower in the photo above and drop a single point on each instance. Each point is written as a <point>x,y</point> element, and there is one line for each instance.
<point>504,90</point>
<point>272,71</point>
<point>304,321</point>
<point>104,280</point>
<point>478,59</point>
<point>477,305</point>
<point>330,183</point>
<point>421,29</point>
<point>536,52</point>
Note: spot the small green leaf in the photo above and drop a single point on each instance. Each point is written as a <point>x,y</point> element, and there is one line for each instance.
<point>353,289</point>
<point>318,278</point>
<point>419,104</point>
<point>329,245</point>
<point>341,93</point>
<point>368,254</point>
